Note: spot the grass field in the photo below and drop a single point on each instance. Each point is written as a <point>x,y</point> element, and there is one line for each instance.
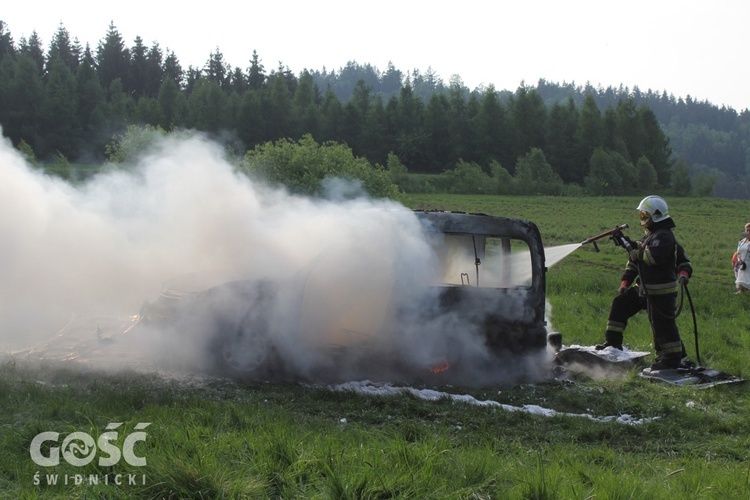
<point>212,438</point>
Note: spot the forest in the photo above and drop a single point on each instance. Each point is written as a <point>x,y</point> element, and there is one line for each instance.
<point>67,101</point>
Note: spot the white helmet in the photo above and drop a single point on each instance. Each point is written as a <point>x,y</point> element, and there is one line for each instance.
<point>655,207</point>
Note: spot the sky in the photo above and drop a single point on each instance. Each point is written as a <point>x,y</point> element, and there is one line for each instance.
<point>686,47</point>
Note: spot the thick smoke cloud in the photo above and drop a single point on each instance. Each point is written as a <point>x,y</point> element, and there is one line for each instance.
<point>103,248</point>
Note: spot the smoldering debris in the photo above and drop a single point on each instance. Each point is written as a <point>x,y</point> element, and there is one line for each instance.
<point>73,255</point>
<point>609,363</point>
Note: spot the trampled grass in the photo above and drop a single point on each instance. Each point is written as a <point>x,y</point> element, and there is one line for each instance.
<point>212,438</point>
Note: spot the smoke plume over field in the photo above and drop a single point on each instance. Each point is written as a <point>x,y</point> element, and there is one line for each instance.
<point>102,248</point>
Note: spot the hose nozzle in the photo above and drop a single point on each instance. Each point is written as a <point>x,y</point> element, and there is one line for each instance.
<point>593,239</point>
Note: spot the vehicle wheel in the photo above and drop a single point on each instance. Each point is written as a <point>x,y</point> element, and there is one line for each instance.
<point>241,343</point>
<point>244,348</point>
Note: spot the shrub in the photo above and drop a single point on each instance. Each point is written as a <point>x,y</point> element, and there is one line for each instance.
<point>303,166</point>
<point>501,178</point>
<point>610,174</point>
<point>647,178</point>
<point>534,175</point>
<point>136,140</point>
<point>468,178</point>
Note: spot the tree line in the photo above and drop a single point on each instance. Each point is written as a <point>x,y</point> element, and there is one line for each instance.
<point>70,100</point>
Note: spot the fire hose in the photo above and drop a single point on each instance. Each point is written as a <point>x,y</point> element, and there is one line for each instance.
<point>685,291</point>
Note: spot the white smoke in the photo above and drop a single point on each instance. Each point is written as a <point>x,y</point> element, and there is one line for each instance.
<point>102,248</point>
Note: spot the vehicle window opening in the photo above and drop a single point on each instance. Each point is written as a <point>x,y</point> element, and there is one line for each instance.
<point>505,262</point>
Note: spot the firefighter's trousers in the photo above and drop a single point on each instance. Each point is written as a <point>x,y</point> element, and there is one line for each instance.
<point>661,315</point>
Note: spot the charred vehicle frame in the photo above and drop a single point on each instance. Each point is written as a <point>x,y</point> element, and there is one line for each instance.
<point>490,281</point>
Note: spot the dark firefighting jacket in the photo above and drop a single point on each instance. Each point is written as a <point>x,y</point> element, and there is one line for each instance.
<point>660,259</point>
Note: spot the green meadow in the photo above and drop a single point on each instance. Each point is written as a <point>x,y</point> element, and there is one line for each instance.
<point>215,438</point>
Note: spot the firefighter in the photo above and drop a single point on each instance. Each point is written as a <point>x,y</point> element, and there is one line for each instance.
<point>656,266</point>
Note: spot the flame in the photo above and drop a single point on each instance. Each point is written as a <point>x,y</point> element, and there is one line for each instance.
<point>440,368</point>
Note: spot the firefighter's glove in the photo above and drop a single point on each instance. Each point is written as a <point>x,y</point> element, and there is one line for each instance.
<point>616,238</point>
<point>683,278</point>
<point>743,266</point>
<point>621,240</point>
<point>628,243</point>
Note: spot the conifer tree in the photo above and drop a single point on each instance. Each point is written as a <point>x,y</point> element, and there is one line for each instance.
<point>113,59</point>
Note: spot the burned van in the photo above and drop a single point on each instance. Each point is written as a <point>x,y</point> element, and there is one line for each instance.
<point>493,275</point>
<point>477,300</point>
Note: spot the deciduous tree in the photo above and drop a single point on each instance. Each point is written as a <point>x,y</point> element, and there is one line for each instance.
<point>535,176</point>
